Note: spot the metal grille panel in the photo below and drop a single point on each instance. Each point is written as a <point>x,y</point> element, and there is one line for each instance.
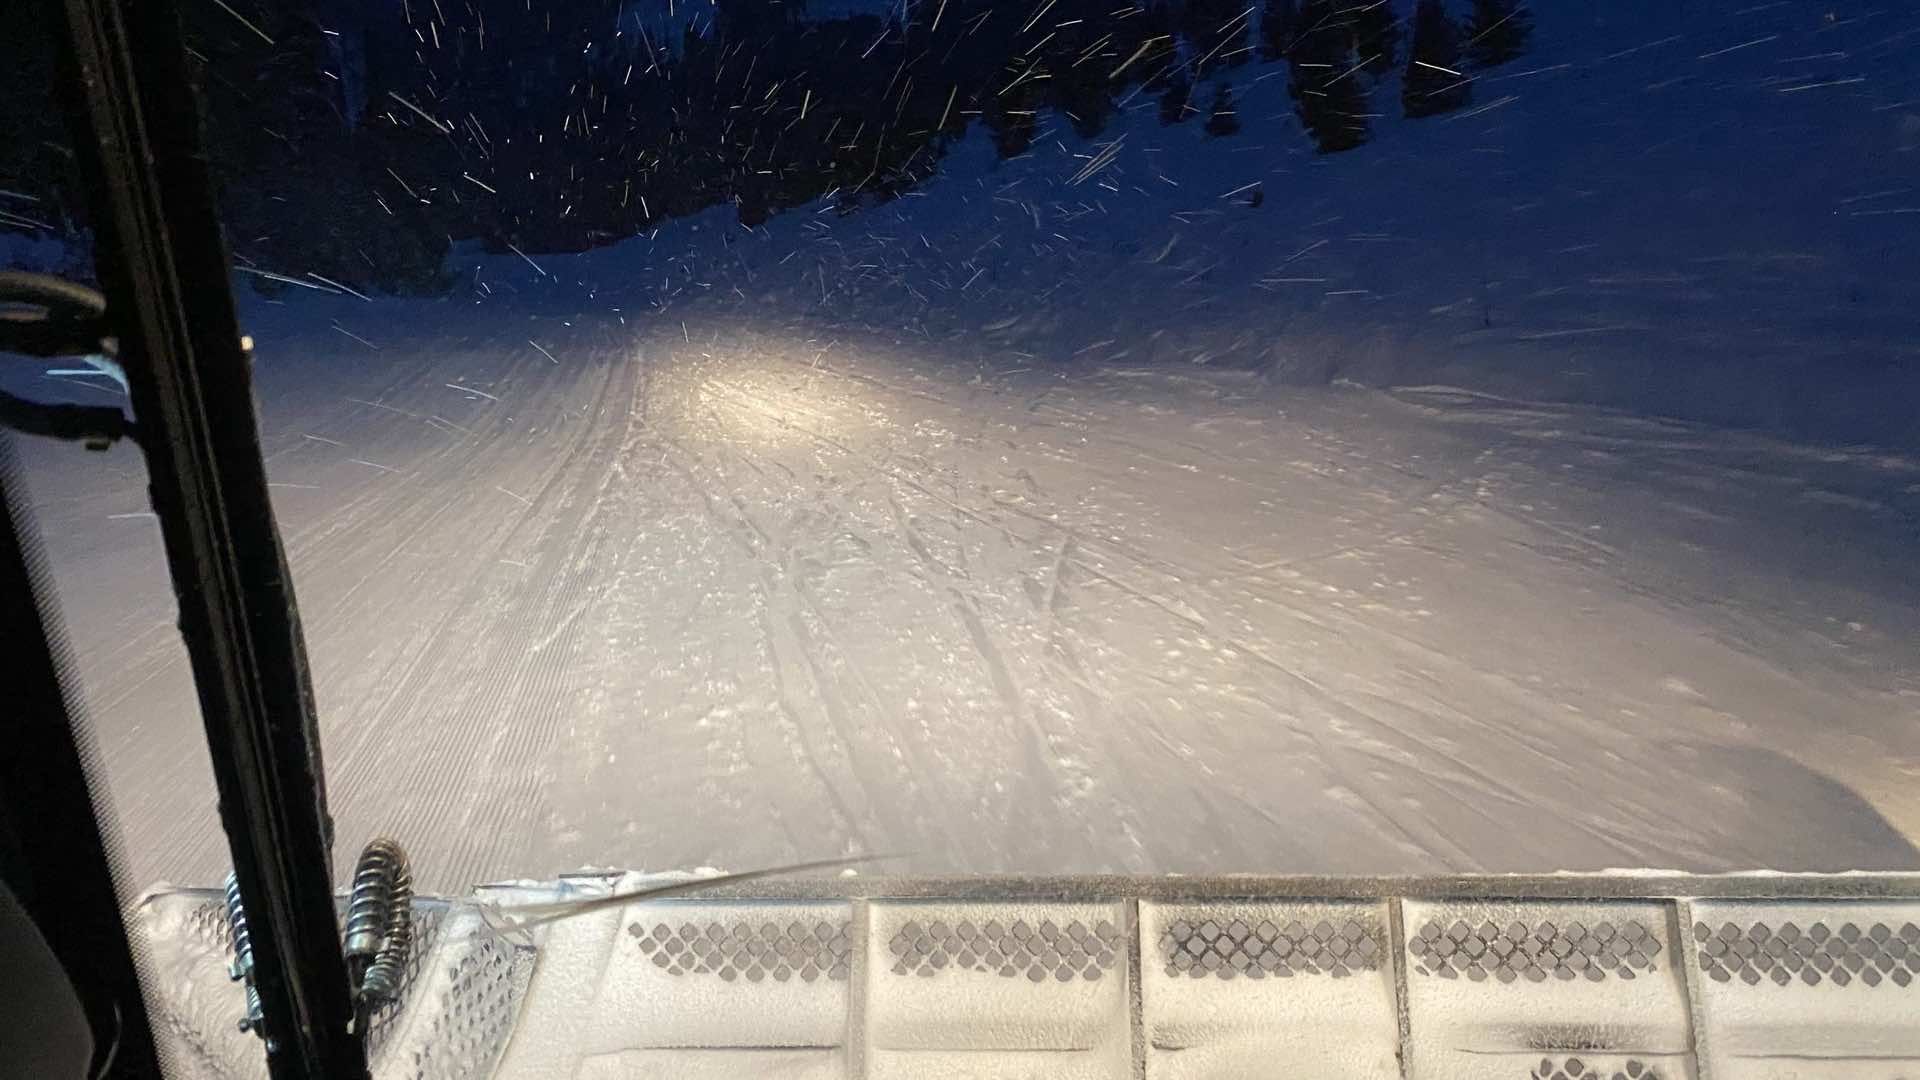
<point>752,950</point>
<point>1574,1068</point>
<point>475,1018</point>
<point>1517,950</point>
<point>1038,951</point>
<point>1207,947</point>
<point>1877,954</point>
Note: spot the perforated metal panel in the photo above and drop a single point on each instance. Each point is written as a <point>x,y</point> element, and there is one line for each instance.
<point>1573,1068</point>
<point>1038,951</point>
<point>1264,948</point>
<point>795,949</point>
<point>1874,953</point>
<point>471,1017</point>
<point>1124,978</point>
<point>428,918</point>
<point>1535,953</point>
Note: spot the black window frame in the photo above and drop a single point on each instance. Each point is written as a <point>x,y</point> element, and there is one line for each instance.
<point>162,263</point>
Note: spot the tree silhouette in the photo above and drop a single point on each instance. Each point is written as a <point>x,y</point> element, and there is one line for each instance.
<point>1174,100</point>
<point>1085,95</point>
<point>1216,32</point>
<point>1497,32</point>
<point>1013,114</point>
<point>1013,125</point>
<point>1376,33</point>
<point>1084,92</point>
<point>1434,83</point>
<point>1222,119</point>
<point>1325,84</point>
<point>1277,18</point>
<point>356,148</point>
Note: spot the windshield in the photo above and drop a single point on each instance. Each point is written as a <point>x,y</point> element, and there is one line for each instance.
<point>1306,436</point>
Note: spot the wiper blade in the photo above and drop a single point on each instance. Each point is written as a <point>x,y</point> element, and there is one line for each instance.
<point>554,911</point>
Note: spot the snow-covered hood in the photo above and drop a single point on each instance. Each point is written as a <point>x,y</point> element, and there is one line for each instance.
<point>1631,974</point>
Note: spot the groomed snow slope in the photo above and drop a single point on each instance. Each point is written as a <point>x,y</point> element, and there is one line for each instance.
<point>996,527</point>
<point>733,601</point>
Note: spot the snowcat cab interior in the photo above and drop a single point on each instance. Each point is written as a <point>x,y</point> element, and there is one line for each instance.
<point>284,971</point>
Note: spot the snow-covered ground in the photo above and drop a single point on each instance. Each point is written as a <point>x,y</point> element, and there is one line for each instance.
<point>1038,520</point>
<point>742,596</point>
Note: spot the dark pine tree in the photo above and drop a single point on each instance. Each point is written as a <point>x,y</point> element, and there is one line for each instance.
<point>1216,31</point>
<point>1086,99</point>
<point>1013,115</point>
<point>1222,120</point>
<point>1376,33</point>
<point>1433,84</point>
<point>1176,99</point>
<point>1325,82</point>
<point>1497,32</point>
<point>1013,131</point>
<point>1085,92</point>
<point>1277,18</point>
<point>1013,126</point>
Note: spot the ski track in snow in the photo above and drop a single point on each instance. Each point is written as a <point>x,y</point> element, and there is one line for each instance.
<point>744,608</point>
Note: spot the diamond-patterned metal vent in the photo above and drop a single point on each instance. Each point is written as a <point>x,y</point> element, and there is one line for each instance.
<point>475,1018</point>
<point>1020,948</point>
<point>1576,1069</point>
<point>1234,948</point>
<point>207,923</point>
<point>1875,955</point>
<point>753,950</point>
<point>426,932</point>
<point>1534,953</point>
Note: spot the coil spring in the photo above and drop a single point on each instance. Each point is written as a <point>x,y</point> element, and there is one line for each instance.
<point>242,967</point>
<point>379,929</point>
<point>367,905</point>
<point>382,981</point>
